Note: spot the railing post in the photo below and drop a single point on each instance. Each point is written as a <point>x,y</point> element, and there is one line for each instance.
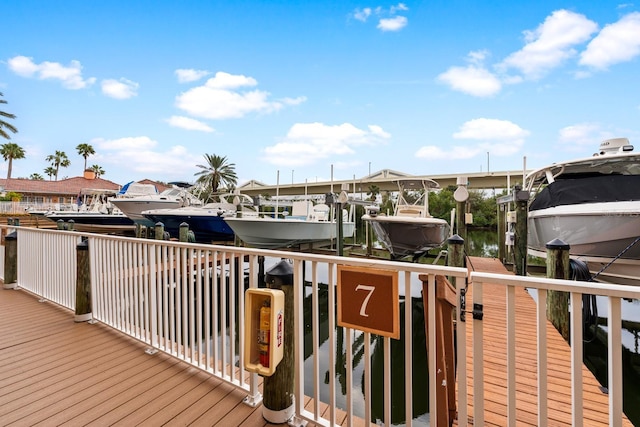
<point>83,283</point>
<point>10,260</point>
<point>278,404</point>
<point>558,302</point>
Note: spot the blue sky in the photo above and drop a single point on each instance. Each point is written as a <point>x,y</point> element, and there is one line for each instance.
<point>307,88</point>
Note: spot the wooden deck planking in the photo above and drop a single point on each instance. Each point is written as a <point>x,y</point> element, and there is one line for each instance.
<point>58,372</point>
<point>595,402</point>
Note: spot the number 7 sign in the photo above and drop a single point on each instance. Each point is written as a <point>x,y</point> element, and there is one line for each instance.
<point>368,300</point>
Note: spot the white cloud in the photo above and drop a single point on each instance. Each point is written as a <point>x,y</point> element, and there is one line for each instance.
<point>362,14</point>
<point>581,136</point>
<point>119,89</point>
<point>549,45</point>
<point>221,97</point>
<point>490,129</point>
<point>618,42</point>
<point>70,76</point>
<point>472,80</point>
<point>140,157</point>
<point>190,75</point>
<point>392,24</point>
<point>189,124</point>
<point>389,20</point>
<point>499,137</point>
<point>306,143</point>
<point>396,8</point>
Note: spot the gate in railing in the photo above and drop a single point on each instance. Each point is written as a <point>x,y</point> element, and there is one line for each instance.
<point>187,300</point>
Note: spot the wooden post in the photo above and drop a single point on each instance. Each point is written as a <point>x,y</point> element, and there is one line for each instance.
<point>159,231</point>
<point>60,224</point>
<point>138,230</point>
<point>83,283</point>
<point>71,225</point>
<point>10,260</point>
<point>455,253</point>
<point>278,405</point>
<point>520,246</point>
<point>502,229</point>
<point>16,222</point>
<point>183,234</point>
<point>558,302</point>
<point>445,347</point>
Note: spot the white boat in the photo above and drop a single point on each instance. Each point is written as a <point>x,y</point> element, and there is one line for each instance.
<point>144,197</point>
<point>308,223</point>
<point>593,205</point>
<point>411,230</point>
<point>94,214</point>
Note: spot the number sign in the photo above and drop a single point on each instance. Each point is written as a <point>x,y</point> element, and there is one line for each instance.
<point>368,300</point>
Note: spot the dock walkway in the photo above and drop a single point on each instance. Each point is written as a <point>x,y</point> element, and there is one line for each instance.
<point>495,368</point>
<point>54,371</point>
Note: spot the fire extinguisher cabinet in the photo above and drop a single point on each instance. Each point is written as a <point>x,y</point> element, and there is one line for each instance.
<point>263,330</point>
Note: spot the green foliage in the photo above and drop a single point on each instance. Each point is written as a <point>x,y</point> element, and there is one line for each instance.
<point>36,177</point>
<point>11,196</point>
<point>6,125</point>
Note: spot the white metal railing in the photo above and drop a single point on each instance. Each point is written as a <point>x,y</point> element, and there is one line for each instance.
<point>47,264</point>
<point>614,295</point>
<point>188,300</point>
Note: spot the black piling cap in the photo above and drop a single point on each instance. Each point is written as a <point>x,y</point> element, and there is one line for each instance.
<point>455,240</point>
<point>83,245</point>
<point>280,274</point>
<point>557,244</point>
<point>12,236</point>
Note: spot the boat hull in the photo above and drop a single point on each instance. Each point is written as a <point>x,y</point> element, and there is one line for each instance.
<point>270,233</point>
<point>133,208</point>
<point>596,233</point>
<point>406,236</point>
<point>94,222</point>
<point>206,228</point>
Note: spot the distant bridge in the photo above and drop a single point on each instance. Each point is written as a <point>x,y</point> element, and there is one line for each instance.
<point>384,180</point>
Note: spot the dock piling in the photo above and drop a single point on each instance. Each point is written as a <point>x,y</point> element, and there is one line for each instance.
<point>83,283</point>
<point>278,405</point>
<point>10,260</point>
<point>558,302</point>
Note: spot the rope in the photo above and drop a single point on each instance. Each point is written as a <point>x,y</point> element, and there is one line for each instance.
<point>616,258</point>
<point>580,271</point>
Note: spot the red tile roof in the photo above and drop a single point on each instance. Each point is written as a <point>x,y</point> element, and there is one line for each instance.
<point>64,187</point>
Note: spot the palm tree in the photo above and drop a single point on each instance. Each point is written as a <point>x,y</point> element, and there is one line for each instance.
<point>10,151</point>
<point>4,124</point>
<point>50,171</point>
<point>59,159</point>
<point>85,150</point>
<point>217,172</point>
<point>36,177</point>
<point>373,192</point>
<point>97,170</point>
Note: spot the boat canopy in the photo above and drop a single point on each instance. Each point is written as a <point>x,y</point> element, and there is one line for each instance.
<point>594,188</point>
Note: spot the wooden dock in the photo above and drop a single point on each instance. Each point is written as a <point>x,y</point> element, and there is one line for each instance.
<point>54,371</point>
<point>495,368</point>
<point>57,372</point>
